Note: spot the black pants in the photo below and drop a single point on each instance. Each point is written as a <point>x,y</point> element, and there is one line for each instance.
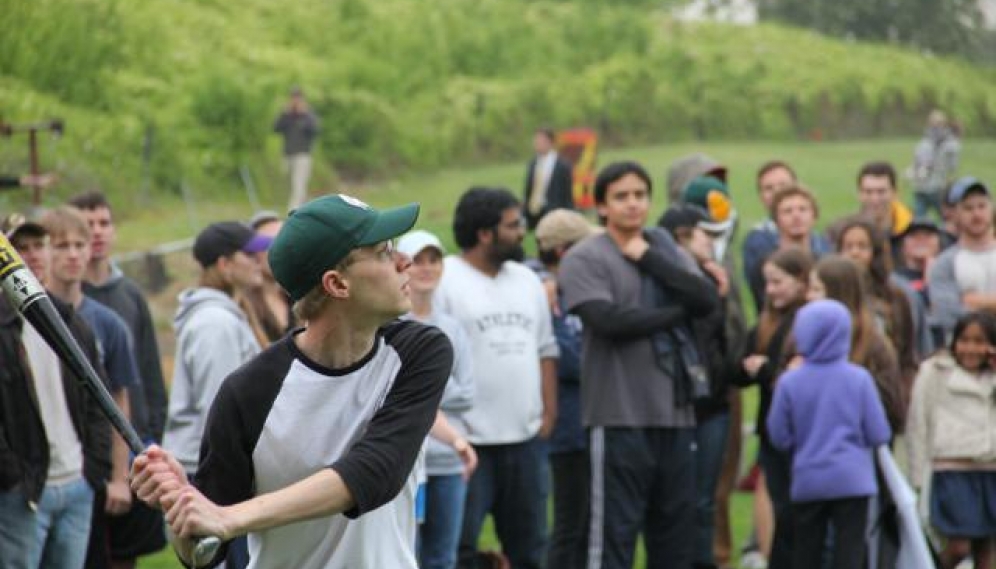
<point>570,505</point>
<point>642,480</point>
<point>777,468</point>
<point>848,516</point>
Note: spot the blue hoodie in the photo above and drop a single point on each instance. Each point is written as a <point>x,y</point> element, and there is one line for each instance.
<point>826,412</point>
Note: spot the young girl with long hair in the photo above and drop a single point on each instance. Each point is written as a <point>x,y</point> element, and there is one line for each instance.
<point>865,244</point>
<point>786,275</point>
<point>839,278</point>
<point>952,433</point>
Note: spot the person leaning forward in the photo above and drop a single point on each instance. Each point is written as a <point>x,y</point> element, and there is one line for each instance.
<point>310,446</point>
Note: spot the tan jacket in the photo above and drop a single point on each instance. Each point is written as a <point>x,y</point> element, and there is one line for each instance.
<point>952,416</point>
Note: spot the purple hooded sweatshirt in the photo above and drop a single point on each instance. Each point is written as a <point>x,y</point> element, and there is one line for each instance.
<point>826,412</point>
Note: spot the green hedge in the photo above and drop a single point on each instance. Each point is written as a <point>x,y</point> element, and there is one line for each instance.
<point>400,84</point>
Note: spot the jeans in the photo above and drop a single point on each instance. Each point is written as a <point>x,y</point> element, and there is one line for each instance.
<point>923,203</point>
<point>710,438</point>
<point>570,508</point>
<point>18,547</point>
<point>54,535</point>
<point>512,484</point>
<point>443,520</point>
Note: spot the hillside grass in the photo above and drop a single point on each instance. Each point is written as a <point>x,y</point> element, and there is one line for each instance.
<point>404,86</point>
<point>828,167</point>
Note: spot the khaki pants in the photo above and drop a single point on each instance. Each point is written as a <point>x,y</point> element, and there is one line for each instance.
<point>299,169</point>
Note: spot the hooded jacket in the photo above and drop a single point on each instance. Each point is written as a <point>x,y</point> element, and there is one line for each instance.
<point>213,338</point>
<point>827,412</point>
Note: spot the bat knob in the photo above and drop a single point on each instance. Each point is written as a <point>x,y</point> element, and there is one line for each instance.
<point>204,551</point>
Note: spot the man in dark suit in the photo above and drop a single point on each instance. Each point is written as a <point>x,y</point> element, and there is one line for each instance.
<point>549,182</point>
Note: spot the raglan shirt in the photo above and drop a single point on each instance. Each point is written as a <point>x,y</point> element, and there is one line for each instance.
<point>282,417</point>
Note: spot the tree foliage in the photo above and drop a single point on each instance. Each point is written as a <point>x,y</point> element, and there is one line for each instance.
<point>946,26</point>
<point>400,84</point>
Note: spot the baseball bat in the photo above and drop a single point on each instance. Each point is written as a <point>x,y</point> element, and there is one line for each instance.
<point>27,295</point>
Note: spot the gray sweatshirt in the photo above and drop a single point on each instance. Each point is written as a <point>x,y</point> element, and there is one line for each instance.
<point>213,338</point>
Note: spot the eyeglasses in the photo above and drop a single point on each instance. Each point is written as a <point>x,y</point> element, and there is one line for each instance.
<point>384,254</point>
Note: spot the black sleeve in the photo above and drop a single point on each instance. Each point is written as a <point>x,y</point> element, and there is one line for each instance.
<point>9,182</point>
<point>739,377</point>
<point>280,125</point>
<point>377,466</point>
<point>622,323</point>
<point>698,295</point>
<point>561,193</point>
<point>527,184</point>
<point>225,471</point>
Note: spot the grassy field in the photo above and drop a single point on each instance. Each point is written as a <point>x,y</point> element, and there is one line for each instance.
<point>828,168</point>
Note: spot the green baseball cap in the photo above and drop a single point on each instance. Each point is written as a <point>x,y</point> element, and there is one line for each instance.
<point>320,234</point>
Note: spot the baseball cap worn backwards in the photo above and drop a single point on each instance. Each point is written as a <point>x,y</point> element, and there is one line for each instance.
<point>226,238</point>
<point>320,234</point>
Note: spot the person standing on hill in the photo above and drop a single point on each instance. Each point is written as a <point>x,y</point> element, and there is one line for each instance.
<point>299,126</point>
<point>549,180</point>
<point>935,161</point>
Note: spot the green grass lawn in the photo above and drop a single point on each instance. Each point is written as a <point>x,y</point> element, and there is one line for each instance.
<point>828,168</point>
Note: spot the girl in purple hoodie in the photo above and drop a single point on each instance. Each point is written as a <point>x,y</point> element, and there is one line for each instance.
<point>827,414</point>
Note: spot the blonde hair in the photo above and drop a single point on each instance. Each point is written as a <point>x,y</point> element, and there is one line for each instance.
<point>65,219</point>
<point>311,305</point>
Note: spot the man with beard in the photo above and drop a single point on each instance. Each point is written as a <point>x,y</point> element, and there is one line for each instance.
<point>963,278</point>
<point>503,307</point>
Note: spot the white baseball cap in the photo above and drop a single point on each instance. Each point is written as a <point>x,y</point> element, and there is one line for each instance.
<point>414,242</point>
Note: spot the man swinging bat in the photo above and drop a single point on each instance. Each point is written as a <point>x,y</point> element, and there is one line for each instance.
<point>309,447</point>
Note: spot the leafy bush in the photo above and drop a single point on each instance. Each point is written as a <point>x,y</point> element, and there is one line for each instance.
<point>414,85</point>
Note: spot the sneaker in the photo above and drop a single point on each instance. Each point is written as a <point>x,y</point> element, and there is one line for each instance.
<point>753,560</point>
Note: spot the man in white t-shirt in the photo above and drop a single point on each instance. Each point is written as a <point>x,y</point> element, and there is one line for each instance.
<point>963,278</point>
<point>502,305</point>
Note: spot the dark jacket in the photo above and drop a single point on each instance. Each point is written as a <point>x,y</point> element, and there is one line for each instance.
<point>559,190</point>
<point>24,451</point>
<point>148,397</point>
<point>769,372</point>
